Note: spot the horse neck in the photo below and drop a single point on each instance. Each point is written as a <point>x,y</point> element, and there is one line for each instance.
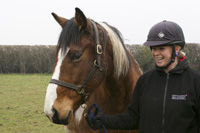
<point>113,95</point>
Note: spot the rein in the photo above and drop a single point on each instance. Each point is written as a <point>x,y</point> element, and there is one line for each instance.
<point>90,117</point>
<point>97,65</point>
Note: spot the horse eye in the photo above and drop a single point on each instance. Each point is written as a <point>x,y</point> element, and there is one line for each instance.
<point>75,56</point>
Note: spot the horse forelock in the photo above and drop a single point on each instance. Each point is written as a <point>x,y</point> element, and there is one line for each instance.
<point>70,35</point>
<point>120,59</point>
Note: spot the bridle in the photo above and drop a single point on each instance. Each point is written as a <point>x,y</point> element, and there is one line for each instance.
<point>97,65</point>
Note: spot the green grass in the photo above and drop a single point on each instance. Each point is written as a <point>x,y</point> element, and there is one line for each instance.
<point>22,102</point>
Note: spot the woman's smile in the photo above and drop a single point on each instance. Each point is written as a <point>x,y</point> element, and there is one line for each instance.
<point>159,59</point>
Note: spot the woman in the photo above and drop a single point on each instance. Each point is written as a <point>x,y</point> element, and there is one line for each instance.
<point>166,98</point>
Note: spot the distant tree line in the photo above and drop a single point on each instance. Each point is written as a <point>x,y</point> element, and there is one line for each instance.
<point>27,59</point>
<point>41,58</point>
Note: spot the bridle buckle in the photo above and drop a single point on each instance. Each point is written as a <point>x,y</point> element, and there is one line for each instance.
<point>99,49</point>
<point>80,91</point>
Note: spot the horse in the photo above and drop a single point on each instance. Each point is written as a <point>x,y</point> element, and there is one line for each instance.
<point>92,65</point>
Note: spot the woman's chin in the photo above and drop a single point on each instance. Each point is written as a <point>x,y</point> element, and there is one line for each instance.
<point>160,65</point>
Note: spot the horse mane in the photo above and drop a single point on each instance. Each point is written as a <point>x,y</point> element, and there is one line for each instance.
<point>121,59</point>
<point>70,34</point>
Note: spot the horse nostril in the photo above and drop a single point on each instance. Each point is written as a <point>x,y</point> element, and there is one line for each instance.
<point>53,110</point>
<point>64,121</point>
<point>55,117</point>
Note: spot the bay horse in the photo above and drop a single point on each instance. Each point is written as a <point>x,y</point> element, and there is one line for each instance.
<point>92,65</point>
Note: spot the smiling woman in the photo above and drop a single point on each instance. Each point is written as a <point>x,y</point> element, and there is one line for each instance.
<point>162,56</point>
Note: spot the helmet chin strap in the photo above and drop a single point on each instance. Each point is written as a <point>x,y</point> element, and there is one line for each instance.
<point>172,58</point>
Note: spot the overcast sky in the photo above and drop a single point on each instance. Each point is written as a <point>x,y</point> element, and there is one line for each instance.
<point>29,22</point>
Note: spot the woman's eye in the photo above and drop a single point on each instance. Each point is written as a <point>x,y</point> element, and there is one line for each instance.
<point>162,48</point>
<point>75,56</point>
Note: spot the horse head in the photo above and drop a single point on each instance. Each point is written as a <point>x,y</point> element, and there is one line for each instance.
<point>78,60</point>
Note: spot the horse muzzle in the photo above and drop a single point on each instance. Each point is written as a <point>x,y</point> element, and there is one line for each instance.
<point>55,118</point>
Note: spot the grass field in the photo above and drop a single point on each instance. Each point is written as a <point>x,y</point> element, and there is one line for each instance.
<point>21,104</point>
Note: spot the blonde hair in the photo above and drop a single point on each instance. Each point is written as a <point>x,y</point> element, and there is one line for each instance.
<point>181,54</point>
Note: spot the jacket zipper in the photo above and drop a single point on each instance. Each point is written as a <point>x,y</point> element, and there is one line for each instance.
<point>164,104</point>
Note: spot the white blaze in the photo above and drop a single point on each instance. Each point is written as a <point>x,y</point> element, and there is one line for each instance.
<point>51,93</point>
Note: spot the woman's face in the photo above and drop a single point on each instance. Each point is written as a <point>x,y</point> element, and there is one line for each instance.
<point>162,55</point>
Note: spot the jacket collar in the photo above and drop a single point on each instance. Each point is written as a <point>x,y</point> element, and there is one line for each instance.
<point>180,67</point>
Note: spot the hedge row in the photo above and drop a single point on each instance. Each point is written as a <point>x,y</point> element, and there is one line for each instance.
<point>40,59</point>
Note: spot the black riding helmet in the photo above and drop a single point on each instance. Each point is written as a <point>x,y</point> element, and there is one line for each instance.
<point>166,33</point>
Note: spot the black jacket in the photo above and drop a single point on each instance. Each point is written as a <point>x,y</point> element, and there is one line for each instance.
<point>163,103</point>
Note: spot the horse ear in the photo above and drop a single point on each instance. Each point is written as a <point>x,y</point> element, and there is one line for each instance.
<point>59,19</point>
<point>80,19</point>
